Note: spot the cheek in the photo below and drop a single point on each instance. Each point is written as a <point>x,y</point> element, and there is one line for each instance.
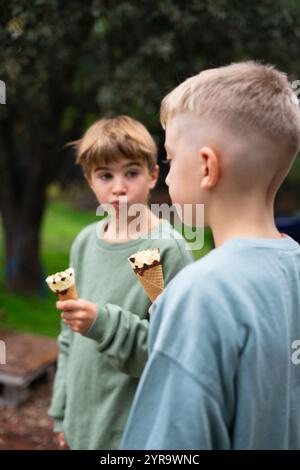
<point>138,190</point>
<point>183,186</point>
<point>101,191</point>
<point>176,186</point>
<point>175,178</point>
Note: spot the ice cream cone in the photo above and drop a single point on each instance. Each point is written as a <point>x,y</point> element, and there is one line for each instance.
<point>148,269</point>
<point>70,293</point>
<point>153,281</point>
<point>63,284</point>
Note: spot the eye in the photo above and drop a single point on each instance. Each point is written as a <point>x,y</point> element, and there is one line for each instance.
<point>132,173</point>
<point>166,162</point>
<point>104,176</point>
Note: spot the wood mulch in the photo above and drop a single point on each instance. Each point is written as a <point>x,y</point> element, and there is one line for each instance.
<point>28,427</point>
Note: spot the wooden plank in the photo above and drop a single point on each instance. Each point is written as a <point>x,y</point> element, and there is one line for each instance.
<point>28,357</point>
<point>25,353</point>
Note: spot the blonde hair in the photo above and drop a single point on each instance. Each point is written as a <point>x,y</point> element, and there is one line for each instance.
<point>246,96</point>
<point>109,140</point>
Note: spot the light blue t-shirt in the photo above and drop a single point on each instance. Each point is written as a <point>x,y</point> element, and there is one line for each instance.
<point>220,373</point>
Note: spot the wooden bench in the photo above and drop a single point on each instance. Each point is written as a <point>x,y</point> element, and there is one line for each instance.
<point>28,358</point>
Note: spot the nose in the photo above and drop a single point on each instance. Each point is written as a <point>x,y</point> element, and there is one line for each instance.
<point>167,179</point>
<point>119,187</point>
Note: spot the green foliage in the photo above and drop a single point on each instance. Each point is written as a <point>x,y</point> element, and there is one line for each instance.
<point>122,56</point>
<point>67,63</point>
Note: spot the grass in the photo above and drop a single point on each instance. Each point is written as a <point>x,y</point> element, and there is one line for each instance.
<point>38,315</point>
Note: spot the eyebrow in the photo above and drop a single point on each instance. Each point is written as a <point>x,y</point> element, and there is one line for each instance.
<point>124,166</point>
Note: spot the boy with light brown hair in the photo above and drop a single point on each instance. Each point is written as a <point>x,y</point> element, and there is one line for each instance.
<point>103,343</point>
<point>221,373</point>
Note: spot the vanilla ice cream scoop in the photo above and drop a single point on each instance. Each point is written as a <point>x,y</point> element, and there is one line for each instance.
<point>61,281</point>
<point>142,260</point>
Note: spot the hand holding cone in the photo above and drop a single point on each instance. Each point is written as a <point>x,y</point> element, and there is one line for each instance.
<point>148,269</point>
<point>63,284</point>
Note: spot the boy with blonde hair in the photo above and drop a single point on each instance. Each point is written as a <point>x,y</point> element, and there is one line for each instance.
<point>103,343</point>
<point>220,373</point>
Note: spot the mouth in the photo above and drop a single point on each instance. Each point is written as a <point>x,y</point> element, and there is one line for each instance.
<point>121,201</point>
<point>118,204</point>
<point>115,205</point>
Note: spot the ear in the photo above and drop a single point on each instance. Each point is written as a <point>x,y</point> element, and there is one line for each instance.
<point>209,167</point>
<point>154,177</point>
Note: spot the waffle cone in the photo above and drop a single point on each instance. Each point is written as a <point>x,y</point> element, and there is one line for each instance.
<point>68,294</point>
<point>153,281</point>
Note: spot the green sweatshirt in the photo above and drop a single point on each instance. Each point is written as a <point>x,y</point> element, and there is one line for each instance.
<point>97,374</point>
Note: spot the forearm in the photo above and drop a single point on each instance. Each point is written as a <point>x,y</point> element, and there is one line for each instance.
<point>123,337</point>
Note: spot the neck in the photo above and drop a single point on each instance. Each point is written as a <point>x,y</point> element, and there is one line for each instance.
<point>245,219</point>
<point>121,229</point>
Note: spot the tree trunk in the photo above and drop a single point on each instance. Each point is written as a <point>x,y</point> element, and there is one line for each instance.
<point>23,268</point>
<point>22,202</point>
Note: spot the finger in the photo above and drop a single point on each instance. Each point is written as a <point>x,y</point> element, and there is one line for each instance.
<point>66,322</point>
<point>69,315</point>
<point>62,444</point>
<point>60,440</point>
<point>75,325</point>
<point>73,315</point>
<point>70,322</point>
<point>69,304</point>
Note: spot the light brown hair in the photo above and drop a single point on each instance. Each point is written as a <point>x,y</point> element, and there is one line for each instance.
<point>109,140</point>
<point>245,97</point>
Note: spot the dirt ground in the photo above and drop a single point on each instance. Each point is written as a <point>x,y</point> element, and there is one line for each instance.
<point>28,427</point>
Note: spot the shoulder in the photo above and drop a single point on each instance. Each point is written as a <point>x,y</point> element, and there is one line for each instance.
<point>226,267</point>
<point>205,296</point>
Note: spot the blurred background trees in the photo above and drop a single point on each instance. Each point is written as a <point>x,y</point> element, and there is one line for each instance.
<point>65,64</point>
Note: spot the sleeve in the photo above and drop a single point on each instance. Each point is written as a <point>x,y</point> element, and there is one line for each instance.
<point>58,401</point>
<point>123,336</point>
<point>172,410</point>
